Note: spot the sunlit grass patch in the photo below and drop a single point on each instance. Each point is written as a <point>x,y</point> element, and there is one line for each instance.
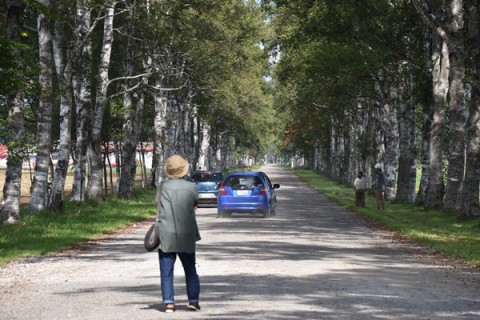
<point>46,232</point>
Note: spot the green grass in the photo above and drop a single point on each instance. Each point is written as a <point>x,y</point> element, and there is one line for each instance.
<point>45,232</point>
<point>441,231</point>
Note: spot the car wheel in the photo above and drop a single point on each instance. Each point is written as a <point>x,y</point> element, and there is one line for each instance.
<point>273,210</point>
<point>267,213</point>
<point>220,214</point>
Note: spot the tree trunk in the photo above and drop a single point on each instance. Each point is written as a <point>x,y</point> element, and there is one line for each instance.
<point>129,144</point>
<point>440,71</point>
<point>144,166</point>
<point>95,180</point>
<point>83,92</point>
<point>470,206</point>
<point>391,151</point>
<point>204,142</point>
<point>448,24</point>
<point>64,74</point>
<point>39,189</point>
<point>457,117</point>
<point>10,208</point>
<point>407,168</point>
<point>135,134</point>
<point>132,126</point>
<point>160,131</point>
<point>129,140</point>
<point>426,127</point>
<point>118,164</point>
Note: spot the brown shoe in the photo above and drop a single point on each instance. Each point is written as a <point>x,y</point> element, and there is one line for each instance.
<point>170,307</point>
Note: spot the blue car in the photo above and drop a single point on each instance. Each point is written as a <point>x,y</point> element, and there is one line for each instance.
<point>247,192</point>
<point>208,186</point>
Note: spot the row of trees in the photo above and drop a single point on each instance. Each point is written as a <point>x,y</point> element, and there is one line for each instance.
<point>187,75</point>
<point>384,83</point>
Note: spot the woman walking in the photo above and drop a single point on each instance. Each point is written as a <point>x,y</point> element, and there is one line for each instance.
<point>178,232</point>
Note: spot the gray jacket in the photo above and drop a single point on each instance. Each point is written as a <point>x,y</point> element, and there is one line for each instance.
<point>177,222</point>
<point>381,180</point>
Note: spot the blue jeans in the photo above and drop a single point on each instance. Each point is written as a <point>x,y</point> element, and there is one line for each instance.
<point>167,262</point>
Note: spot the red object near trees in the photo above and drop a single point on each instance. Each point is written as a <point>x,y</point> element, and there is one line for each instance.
<point>3,151</point>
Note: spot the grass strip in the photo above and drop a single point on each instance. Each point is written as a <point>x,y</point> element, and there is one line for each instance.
<point>45,232</point>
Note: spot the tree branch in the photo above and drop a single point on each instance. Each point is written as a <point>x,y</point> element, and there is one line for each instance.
<point>431,20</point>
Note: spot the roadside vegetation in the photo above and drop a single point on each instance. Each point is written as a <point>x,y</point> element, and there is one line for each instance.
<point>441,231</point>
<point>48,232</point>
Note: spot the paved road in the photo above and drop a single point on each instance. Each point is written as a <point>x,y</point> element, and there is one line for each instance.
<point>314,260</point>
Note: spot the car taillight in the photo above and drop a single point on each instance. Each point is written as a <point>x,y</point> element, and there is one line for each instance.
<point>222,190</point>
<point>262,190</point>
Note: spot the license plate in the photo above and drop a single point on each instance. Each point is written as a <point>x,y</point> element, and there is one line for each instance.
<point>206,195</point>
<point>242,192</point>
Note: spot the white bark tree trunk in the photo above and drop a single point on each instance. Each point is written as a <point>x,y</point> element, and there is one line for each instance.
<point>39,189</point>
<point>470,206</point>
<point>95,172</point>
<point>204,157</point>
<point>391,149</point>
<point>82,93</point>
<point>426,128</point>
<point>407,168</point>
<point>64,74</point>
<point>440,71</point>
<point>160,131</point>
<point>130,134</point>
<point>451,31</point>
<point>457,114</point>
<point>10,206</point>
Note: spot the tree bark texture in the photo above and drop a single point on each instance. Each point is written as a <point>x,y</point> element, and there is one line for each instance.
<point>64,74</point>
<point>391,149</point>
<point>440,71</point>
<point>39,189</point>
<point>10,207</point>
<point>95,172</point>
<point>407,168</point>
<point>160,131</point>
<point>129,144</point>
<point>470,206</point>
<point>83,95</point>
<point>446,20</point>
<point>426,127</point>
<point>457,117</point>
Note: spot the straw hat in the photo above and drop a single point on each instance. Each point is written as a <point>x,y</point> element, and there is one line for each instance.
<point>176,167</point>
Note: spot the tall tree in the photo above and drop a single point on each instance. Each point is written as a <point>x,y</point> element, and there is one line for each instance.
<point>63,66</point>
<point>10,210</point>
<point>95,158</point>
<point>470,191</point>
<point>451,29</point>
<point>426,100</point>
<point>440,70</point>
<point>39,189</point>
<point>133,117</point>
<point>407,167</point>
<point>82,88</point>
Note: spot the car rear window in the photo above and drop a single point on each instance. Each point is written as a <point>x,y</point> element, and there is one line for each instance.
<point>203,177</point>
<point>238,181</point>
<point>217,176</point>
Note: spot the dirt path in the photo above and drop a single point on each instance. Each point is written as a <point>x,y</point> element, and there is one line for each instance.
<point>314,260</point>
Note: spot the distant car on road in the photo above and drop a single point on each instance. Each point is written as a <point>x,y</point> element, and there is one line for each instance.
<point>208,186</point>
<point>247,192</point>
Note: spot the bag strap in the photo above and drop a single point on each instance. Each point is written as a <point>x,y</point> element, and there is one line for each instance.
<point>159,200</point>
